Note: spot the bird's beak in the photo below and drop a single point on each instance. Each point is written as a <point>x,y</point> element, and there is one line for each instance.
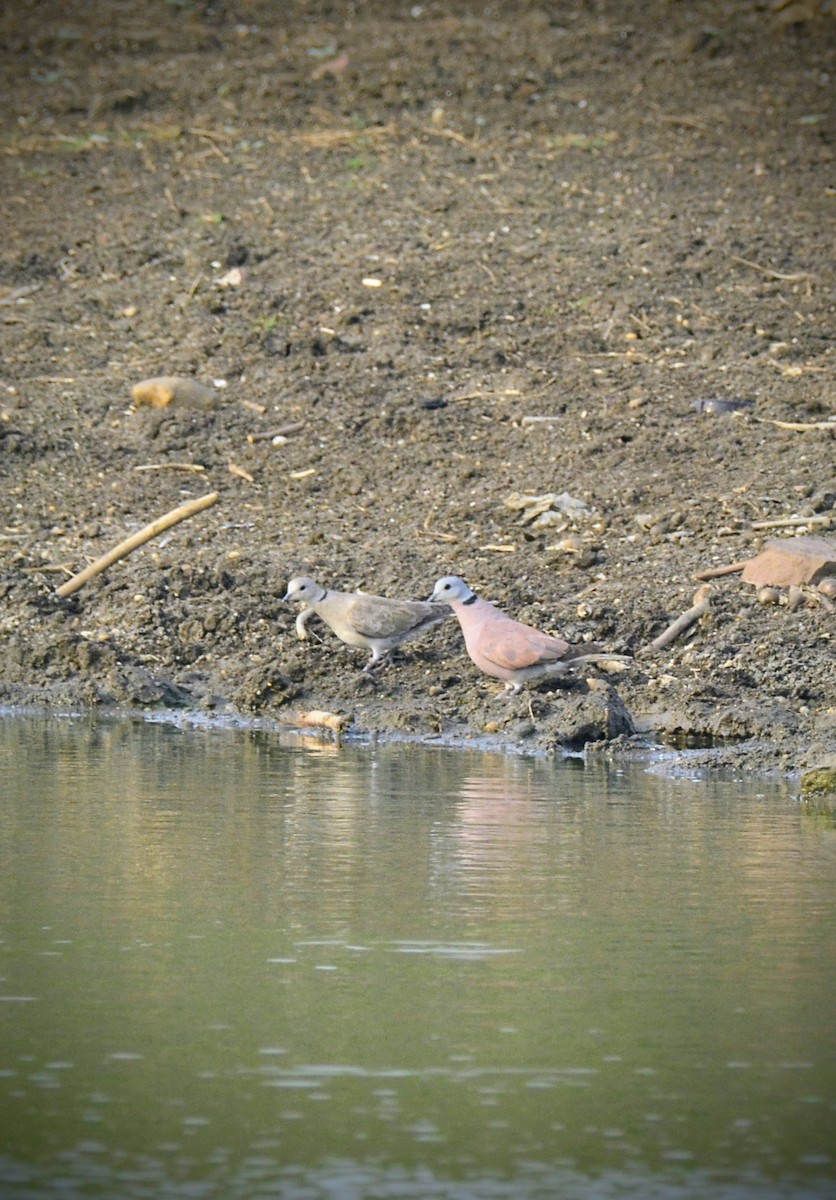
<point>433,599</point>
<point>285,598</point>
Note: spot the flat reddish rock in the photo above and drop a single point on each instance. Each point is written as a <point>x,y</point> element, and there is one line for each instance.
<point>787,561</point>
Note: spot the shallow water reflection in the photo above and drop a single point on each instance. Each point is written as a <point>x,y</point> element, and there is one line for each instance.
<point>236,965</point>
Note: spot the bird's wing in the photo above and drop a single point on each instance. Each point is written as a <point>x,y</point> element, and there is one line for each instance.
<point>379,617</point>
<point>515,646</point>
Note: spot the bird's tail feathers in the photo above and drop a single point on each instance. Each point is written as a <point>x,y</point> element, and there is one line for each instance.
<point>611,663</point>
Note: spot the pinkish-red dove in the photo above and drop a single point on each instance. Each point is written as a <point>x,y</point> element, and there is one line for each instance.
<point>508,649</point>
<point>374,623</point>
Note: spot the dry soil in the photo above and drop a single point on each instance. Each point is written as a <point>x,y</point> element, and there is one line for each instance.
<point>463,251</point>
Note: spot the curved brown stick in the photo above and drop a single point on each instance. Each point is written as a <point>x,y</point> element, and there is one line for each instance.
<point>715,572</point>
<point>701,605</point>
<point>135,540</point>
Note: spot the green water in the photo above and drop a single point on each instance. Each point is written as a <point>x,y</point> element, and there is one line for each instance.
<point>239,966</point>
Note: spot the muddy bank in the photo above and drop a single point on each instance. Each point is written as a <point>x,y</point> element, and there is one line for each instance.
<point>424,259</point>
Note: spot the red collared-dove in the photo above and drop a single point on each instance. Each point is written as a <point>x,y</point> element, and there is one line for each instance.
<point>507,649</point>
<point>358,619</point>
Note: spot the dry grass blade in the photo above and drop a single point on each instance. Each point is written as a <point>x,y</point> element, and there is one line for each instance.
<point>194,468</point>
<point>323,139</point>
<point>435,533</point>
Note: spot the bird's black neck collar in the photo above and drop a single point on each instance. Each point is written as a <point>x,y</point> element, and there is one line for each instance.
<point>470,600</point>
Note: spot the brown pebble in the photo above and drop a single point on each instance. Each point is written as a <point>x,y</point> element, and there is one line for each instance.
<point>795,598</point>
<point>827,587</point>
<point>166,390</point>
<point>769,595</point>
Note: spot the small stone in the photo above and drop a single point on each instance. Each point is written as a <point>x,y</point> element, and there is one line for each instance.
<point>233,278</point>
<point>769,595</point>
<point>163,391</point>
<point>795,598</point>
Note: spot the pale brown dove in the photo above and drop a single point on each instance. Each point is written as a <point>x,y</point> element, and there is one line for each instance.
<point>508,649</point>
<point>374,623</point>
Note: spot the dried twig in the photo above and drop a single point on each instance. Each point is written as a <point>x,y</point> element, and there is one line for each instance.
<point>793,522</point>
<point>135,540</point>
<point>701,605</point>
<point>798,426</point>
<point>435,533</point>
<point>239,472</point>
<point>211,138</point>
<point>715,572</point>
<point>508,392</point>
<point>217,135</point>
<point>685,121</point>
<point>641,323</point>
<point>452,134</point>
<point>802,275</point>
<point>283,431</point>
<point>195,468</point>
<point>19,293</point>
<point>49,568</point>
<point>324,139</point>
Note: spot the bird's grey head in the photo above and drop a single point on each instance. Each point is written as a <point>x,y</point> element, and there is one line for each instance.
<point>303,588</point>
<point>451,588</point>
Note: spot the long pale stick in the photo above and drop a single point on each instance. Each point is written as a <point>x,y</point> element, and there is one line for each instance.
<point>135,540</point>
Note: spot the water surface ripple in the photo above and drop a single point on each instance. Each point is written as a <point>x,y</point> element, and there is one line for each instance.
<point>238,965</point>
